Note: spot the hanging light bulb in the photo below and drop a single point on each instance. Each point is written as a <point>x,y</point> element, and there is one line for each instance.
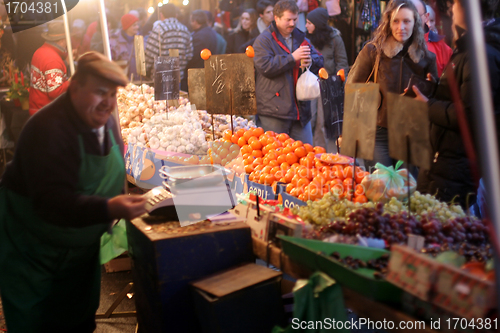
<point>165,2</point>
<point>160,4</point>
<point>151,10</point>
<point>185,2</point>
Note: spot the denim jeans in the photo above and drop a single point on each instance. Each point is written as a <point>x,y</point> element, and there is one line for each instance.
<point>288,126</point>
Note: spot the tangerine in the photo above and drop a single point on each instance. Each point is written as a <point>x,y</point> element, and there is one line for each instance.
<point>291,158</point>
<point>205,54</point>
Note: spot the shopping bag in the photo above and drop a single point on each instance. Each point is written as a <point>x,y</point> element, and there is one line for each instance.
<point>307,87</point>
<point>114,244</point>
<point>387,182</point>
<point>315,300</point>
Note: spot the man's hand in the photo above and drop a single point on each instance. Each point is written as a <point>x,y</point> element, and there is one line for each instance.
<point>303,52</point>
<point>126,206</point>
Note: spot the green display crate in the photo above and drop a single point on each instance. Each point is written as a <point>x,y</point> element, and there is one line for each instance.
<point>315,255</point>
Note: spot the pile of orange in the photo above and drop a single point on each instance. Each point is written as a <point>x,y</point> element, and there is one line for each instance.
<point>269,157</point>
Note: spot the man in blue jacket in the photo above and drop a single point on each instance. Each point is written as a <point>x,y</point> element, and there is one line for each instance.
<point>279,51</point>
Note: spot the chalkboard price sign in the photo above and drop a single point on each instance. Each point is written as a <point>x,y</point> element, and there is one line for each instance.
<point>230,84</point>
<point>167,79</point>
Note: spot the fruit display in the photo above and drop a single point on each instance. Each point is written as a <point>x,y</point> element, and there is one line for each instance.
<point>379,264</point>
<point>222,122</point>
<point>341,216</point>
<point>270,157</point>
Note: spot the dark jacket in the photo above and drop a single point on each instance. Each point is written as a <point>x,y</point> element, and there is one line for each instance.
<point>237,39</point>
<point>334,54</point>
<point>47,161</point>
<point>277,73</point>
<point>203,38</point>
<point>397,64</point>
<point>450,174</point>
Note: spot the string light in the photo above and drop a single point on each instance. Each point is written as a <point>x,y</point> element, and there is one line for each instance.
<point>160,4</point>
<point>185,2</point>
<point>151,10</point>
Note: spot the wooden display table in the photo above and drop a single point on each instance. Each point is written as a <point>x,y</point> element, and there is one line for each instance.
<point>363,306</point>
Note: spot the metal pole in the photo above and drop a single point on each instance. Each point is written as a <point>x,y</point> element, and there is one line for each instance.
<point>484,118</point>
<point>104,29</point>
<point>68,39</point>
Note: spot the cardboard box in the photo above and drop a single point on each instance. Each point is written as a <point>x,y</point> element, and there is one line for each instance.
<point>412,271</point>
<point>258,221</point>
<point>464,294</point>
<point>245,299</point>
<point>280,224</point>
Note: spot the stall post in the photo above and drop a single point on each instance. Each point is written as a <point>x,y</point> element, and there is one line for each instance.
<point>68,39</point>
<point>483,113</point>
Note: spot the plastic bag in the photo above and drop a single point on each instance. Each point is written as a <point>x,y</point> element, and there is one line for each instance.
<point>315,299</point>
<point>114,244</point>
<point>387,182</point>
<point>307,87</point>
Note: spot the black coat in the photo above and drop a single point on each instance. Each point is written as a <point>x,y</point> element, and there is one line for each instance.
<point>237,39</point>
<point>203,38</point>
<point>450,174</point>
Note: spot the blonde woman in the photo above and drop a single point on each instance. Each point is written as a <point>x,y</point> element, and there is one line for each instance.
<point>397,51</point>
<point>244,32</point>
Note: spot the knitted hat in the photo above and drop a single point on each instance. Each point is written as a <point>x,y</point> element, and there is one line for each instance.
<point>128,20</point>
<point>318,17</point>
<point>97,64</point>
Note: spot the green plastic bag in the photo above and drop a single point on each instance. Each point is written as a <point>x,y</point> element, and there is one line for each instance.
<point>114,244</point>
<point>318,299</point>
<point>387,182</point>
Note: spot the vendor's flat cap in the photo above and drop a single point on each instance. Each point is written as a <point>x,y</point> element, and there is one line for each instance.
<point>97,64</point>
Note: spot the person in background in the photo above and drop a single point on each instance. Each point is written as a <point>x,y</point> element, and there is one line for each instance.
<point>58,196</point>
<point>204,37</point>
<point>244,32</point>
<point>121,44</point>
<point>400,50</point>
<point>279,52</point>
<point>329,43</point>
<point>431,19</point>
<point>96,43</point>
<point>450,173</point>
<point>48,69</point>
<point>168,34</point>
<point>221,42</point>
<point>435,42</point>
<point>143,16</point>
<point>78,29</point>
<point>265,11</point>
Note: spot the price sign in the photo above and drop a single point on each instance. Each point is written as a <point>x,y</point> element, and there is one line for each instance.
<point>408,118</point>
<point>362,101</point>
<point>196,87</point>
<point>167,79</point>
<point>230,84</point>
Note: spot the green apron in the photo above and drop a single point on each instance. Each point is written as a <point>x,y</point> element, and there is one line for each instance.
<point>50,276</point>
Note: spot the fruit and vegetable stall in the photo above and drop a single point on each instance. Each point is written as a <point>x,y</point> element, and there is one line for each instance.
<point>307,211</point>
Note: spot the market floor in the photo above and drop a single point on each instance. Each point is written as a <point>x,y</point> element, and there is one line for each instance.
<point>111,285</point>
